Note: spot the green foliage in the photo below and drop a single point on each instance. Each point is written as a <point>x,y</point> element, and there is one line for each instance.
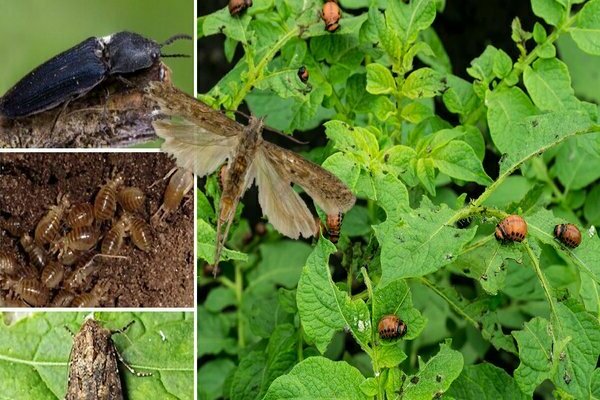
<point>293,320</point>
<point>34,353</point>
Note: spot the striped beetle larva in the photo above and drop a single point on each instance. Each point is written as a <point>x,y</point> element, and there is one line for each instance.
<point>81,214</point>
<point>105,203</point>
<point>82,271</point>
<point>131,199</point>
<point>113,240</point>
<point>391,327</point>
<point>37,254</point>
<point>82,238</point>
<point>62,299</point>
<point>32,291</point>
<point>92,298</point>
<point>331,15</point>
<point>52,274</point>
<point>69,256</point>
<point>12,225</point>
<point>511,229</point>
<point>9,265</point>
<point>140,233</point>
<point>180,183</point>
<point>48,229</point>
<point>334,226</point>
<point>568,234</point>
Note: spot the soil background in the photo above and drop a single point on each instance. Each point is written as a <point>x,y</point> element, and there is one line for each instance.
<point>162,277</point>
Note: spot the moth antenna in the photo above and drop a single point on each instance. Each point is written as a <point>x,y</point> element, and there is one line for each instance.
<point>179,36</point>
<point>288,137</point>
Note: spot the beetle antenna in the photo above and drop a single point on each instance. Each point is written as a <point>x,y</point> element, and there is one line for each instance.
<point>174,38</point>
<point>174,55</point>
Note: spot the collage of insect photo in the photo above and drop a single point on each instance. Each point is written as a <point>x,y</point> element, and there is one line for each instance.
<point>316,199</point>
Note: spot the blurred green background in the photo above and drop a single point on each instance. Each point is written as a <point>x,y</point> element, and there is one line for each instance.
<point>33,31</point>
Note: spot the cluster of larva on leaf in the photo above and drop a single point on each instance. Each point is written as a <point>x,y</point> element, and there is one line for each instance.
<point>514,229</point>
<point>58,261</point>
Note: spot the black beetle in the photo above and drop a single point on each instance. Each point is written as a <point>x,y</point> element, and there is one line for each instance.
<point>78,70</point>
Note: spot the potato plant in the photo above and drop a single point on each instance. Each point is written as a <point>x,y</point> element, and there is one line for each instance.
<point>437,162</point>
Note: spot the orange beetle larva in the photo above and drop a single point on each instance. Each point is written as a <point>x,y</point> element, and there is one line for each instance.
<point>82,238</point>
<point>81,214</point>
<point>390,327</point>
<point>331,15</point>
<point>32,291</point>
<point>512,228</point>
<point>140,233</point>
<point>113,240</point>
<point>568,234</point>
<point>334,226</point>
<point>37,254</point>
<point>105,203</point>
<point>180,183</point>
<point>52,274</point>
<point>238,6</point>
<point>48,229</point>
<point>131,199</point>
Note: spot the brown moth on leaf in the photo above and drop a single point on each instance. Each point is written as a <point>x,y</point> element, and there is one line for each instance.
<point>202,139</point>
<point>93,369</point>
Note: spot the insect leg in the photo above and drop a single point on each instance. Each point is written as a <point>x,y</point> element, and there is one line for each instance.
<point>129,367</point>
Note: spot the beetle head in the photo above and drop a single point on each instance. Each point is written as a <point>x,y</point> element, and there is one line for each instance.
<point>129,52</point>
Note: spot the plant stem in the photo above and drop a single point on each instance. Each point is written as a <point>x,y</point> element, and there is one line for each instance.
<point>456,308</point>
<point>239,290</point>
<point>542,278</point>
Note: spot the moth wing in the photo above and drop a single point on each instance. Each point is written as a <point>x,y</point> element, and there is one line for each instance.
<point>326,189</point>
<point>286,211</point>
<point>195,148</point>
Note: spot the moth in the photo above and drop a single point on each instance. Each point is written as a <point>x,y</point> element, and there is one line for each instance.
<point>93,370</point>
<point>202,139</point>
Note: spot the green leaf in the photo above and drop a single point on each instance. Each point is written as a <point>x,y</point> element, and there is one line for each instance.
<point>550,10</point>
<point>222,22</point>
<point>535,353</point>
<point>586,31</point>
<point>502,64</point>
<point>411,18</point>
<point>582,68</point>
<point>549,86</point>
<point>539,33</point>
<point>482,67</point>
<point>577,163</point>
<point>396,299</point>
<point>505,109</point>
<point>323,308</point>
<point>485,382</point>
<point>487,264</point>
<point>213,333</point>
<point>419,242</point>
<point>538,133</point>
<point>458,160</point>
<point>206,236</point>
<point>318,378</point>
<point>587,255</point>
<point>423,83</point>
<point>436,375</point>
<point>212,375</point>
<point>379,79</point>
<point>460,98</point>
<point>356,140</point>
<point>439,60</point>
<point>426,174</point>
<point>591,209</point>
<point>34,354</point>
<point>259,368</point>
<point>580,331</point>
<point>416,112</point>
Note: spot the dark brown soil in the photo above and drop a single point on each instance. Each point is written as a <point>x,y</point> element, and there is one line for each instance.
<point>162,277</point>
